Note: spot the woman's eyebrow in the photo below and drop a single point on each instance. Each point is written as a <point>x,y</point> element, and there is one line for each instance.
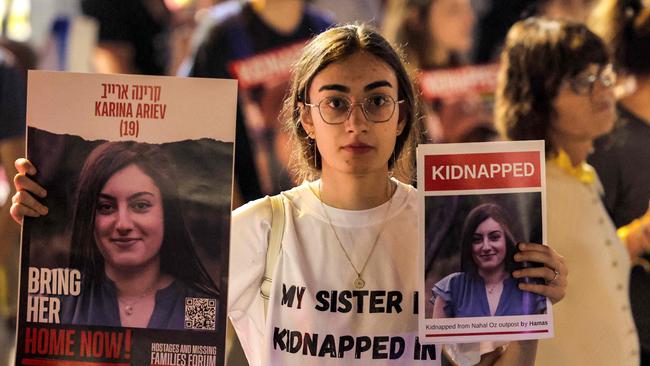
<point>135,195</point>
<point>140,194</point>
<point>345,89</point>
<point>377,84</point>
<point>106,196</point>
<point>336,87</point>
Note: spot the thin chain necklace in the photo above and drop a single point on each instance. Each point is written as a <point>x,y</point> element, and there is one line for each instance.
<point>129,305</point>
<point>359,282</point>
<point>490,289</point>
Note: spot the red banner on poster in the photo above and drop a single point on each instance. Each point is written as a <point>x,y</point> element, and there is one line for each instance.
<point>482,171</point>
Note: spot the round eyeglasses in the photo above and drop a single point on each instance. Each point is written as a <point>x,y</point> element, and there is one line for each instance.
<point>376,108</point>
<point>583,84</point>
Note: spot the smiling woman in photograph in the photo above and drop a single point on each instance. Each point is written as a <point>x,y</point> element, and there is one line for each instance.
<point>129,240</point>
<point>485,286</point>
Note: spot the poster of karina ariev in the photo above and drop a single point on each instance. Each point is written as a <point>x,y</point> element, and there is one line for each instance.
<point>477,202</point>
<point>129,266</point>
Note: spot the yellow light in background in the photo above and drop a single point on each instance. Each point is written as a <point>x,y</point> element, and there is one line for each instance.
<point>3,8</point>
<point>177,4</point>
<point>18,26</point>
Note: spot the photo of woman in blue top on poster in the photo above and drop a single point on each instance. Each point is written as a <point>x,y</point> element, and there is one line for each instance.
<point>485,286</point>
<point>130,243</point>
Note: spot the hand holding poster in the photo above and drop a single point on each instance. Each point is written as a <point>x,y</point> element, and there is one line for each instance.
<point>130,264</point>
<point>477,202</point>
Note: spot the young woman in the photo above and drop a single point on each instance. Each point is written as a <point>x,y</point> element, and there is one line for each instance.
<point>345,282</point>
<point>556,84</point>
<point>485,287</point>
<point>130,243</point>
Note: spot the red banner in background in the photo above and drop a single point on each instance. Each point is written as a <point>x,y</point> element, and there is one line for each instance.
<point>449,83</point>
<point>265,67</point>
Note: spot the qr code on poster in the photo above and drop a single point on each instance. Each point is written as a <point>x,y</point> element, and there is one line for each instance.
<point>200,313</point>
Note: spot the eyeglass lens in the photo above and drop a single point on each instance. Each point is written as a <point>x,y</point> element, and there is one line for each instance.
<point>376,108</point>
<point>584,84</point>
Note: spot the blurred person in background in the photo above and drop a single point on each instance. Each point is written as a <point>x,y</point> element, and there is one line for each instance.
<point>246,38</point>
<point>576,10</point>
<point>346,11</point>
<point>622,158</point>
<point>133,35</point>
<point>433,33</point>
<point>15,60</point>
<point>495,17</point>
<point>436,36</point>
<point>556,84</point>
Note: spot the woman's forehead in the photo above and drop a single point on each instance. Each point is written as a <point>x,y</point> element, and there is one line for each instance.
<point>356,72</point>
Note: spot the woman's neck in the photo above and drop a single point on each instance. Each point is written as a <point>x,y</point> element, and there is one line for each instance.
<point>637,102</point>
<point>355,192</point>
<point>493,277</point>
<point>284,16</point>
<point>576,150</point>
<point>132,283</point>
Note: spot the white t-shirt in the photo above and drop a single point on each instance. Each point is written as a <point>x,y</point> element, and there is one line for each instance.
<point>315,316</point>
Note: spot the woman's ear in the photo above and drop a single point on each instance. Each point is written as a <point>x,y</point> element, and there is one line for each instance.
<point>401,122</point>
<point>305,120</point>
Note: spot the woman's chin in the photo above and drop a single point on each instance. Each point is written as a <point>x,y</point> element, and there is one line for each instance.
<point>130,264</point>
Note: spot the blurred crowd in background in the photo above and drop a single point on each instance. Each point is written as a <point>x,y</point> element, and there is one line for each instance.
<point>452,48</point>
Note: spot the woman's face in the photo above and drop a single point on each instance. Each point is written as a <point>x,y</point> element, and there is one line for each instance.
<point>129,222</point>
<point>357,145</point>
<point>451,23</point>
<point>584,110</point>
<point>489,245</point>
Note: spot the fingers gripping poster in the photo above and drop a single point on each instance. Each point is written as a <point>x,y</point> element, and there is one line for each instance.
<point>478,201</point>
<point>130,264</point>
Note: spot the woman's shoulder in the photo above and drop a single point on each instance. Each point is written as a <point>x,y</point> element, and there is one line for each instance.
<point>453,277</point>
<point>179,289</point>
<point>258,208</point>
<point>405,194</point>
<point>261,207</point>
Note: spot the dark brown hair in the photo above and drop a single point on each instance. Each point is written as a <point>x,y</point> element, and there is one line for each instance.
<point>538,55</point>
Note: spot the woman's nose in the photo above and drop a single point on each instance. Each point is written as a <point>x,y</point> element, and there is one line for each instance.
<point>357,121</point>
<point>603,90</point>
<point>124,222</point>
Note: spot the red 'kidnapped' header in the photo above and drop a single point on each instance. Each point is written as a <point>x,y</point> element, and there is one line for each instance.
<point>482,171</point>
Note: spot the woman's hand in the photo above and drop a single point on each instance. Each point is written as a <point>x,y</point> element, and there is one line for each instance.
<point>23,202</point>
<point>636,235</point>
<point>554,271</point>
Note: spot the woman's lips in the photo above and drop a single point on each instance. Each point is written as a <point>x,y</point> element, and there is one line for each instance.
<point>124,242</point>
<point>357,148</point>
